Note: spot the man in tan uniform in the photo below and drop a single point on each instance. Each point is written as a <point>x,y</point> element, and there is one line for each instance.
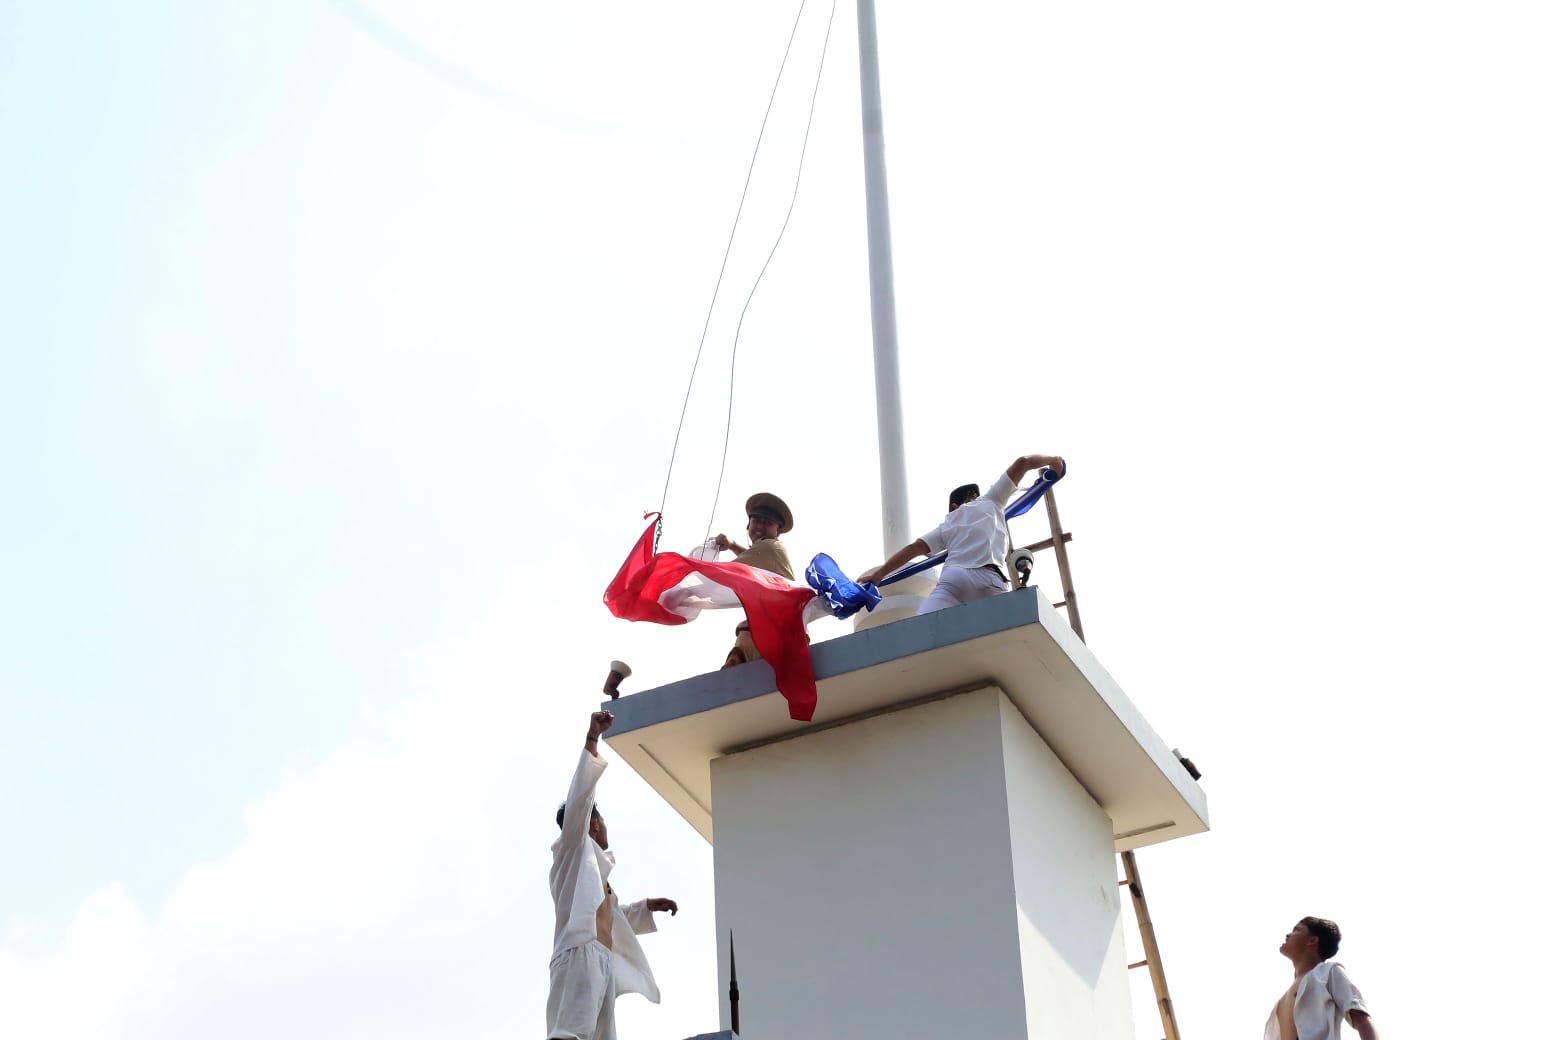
<point>768,518</point>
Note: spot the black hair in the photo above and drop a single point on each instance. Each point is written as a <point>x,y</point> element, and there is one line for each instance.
<point>593,815</point>
<point>962,494</point>
<point>1327,934</point>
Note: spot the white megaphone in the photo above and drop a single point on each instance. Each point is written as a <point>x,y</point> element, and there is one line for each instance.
<point>619,671</point>
<point>1022,562</point>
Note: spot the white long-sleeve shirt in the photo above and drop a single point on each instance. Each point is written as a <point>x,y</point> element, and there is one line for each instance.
<point>1323,999</point>
<point>579,883</point>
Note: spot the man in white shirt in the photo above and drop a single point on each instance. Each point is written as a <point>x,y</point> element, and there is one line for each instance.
<point>596,954</point>
<point>976,537</point>
<point>1322,996</point>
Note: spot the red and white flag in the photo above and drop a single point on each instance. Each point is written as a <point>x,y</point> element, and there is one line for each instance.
<point>672,589</point>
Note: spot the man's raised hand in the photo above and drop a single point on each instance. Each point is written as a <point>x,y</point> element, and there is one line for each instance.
<point>599,722</point>
<point>662,904</point>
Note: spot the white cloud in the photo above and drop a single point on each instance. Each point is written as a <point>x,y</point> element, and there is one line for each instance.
<point>77,991</point>
<point>396,889</point>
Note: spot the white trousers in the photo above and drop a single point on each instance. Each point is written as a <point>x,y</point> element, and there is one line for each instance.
<point>963,585</point>
<point>580,1001</point>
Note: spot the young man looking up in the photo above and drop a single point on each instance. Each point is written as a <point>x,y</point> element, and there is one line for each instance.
<point>596,955</point>
<point>1322,995</point>
<point>975,535</point>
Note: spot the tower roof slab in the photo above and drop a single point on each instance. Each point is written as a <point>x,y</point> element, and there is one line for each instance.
<point>1016,642</point>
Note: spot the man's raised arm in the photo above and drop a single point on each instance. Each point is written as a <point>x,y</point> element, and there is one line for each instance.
<point>600,722</point>
<point>1028,463</point>
<point>582,789</point>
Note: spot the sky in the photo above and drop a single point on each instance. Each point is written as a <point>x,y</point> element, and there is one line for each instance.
<point>342,344</point>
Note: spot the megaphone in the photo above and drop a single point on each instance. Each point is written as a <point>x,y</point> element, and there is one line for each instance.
<point>618,672</point>
<point>1023,562</point>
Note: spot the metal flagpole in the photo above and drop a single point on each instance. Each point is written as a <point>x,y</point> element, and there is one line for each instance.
<point>892,477</point>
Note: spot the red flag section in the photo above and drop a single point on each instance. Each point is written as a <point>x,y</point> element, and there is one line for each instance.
<point>773,606</point>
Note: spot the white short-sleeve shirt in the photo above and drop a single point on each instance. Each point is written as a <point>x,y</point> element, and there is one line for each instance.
<point>975,534</point>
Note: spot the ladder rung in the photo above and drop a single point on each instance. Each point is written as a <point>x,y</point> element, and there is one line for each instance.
<point>1063,603</point>
<point>1047,544</point>
<point>1139,964</point>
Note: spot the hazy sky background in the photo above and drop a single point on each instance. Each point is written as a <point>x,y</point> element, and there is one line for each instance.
<point>342,348</point>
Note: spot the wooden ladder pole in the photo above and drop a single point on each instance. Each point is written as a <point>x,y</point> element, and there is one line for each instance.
<point>1156,968</point>
<point>1134,883</point>
<point>1059,545</point>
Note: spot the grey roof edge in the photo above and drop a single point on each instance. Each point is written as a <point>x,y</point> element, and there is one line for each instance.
<point>848,653</point>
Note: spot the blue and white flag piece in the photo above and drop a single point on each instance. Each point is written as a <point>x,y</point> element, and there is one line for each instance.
<point>843,596</point>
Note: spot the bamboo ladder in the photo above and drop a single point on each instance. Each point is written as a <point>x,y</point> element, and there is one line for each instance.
<point>1133,884</point>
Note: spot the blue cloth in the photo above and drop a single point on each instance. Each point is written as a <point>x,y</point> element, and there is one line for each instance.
<point>843,595</point>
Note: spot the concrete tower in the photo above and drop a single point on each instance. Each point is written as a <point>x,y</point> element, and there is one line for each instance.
<point>934,854</point>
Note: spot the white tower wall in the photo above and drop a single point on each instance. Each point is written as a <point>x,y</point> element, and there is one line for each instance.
<point>933,871</point>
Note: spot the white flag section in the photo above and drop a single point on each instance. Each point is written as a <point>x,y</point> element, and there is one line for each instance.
<point>673,589</point>
<point>701,591</point>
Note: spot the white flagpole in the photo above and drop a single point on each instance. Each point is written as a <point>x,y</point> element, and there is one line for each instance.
<point>885,333</point>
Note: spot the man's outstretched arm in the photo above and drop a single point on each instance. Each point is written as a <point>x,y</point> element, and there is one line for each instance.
<point>896,561</point>
<point>722,542</point>
<point>1029,463</point>
<point>639,913</point>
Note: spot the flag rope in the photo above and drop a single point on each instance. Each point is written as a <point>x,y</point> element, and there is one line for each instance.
<point>721,276</point>
<point>796,188</point>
